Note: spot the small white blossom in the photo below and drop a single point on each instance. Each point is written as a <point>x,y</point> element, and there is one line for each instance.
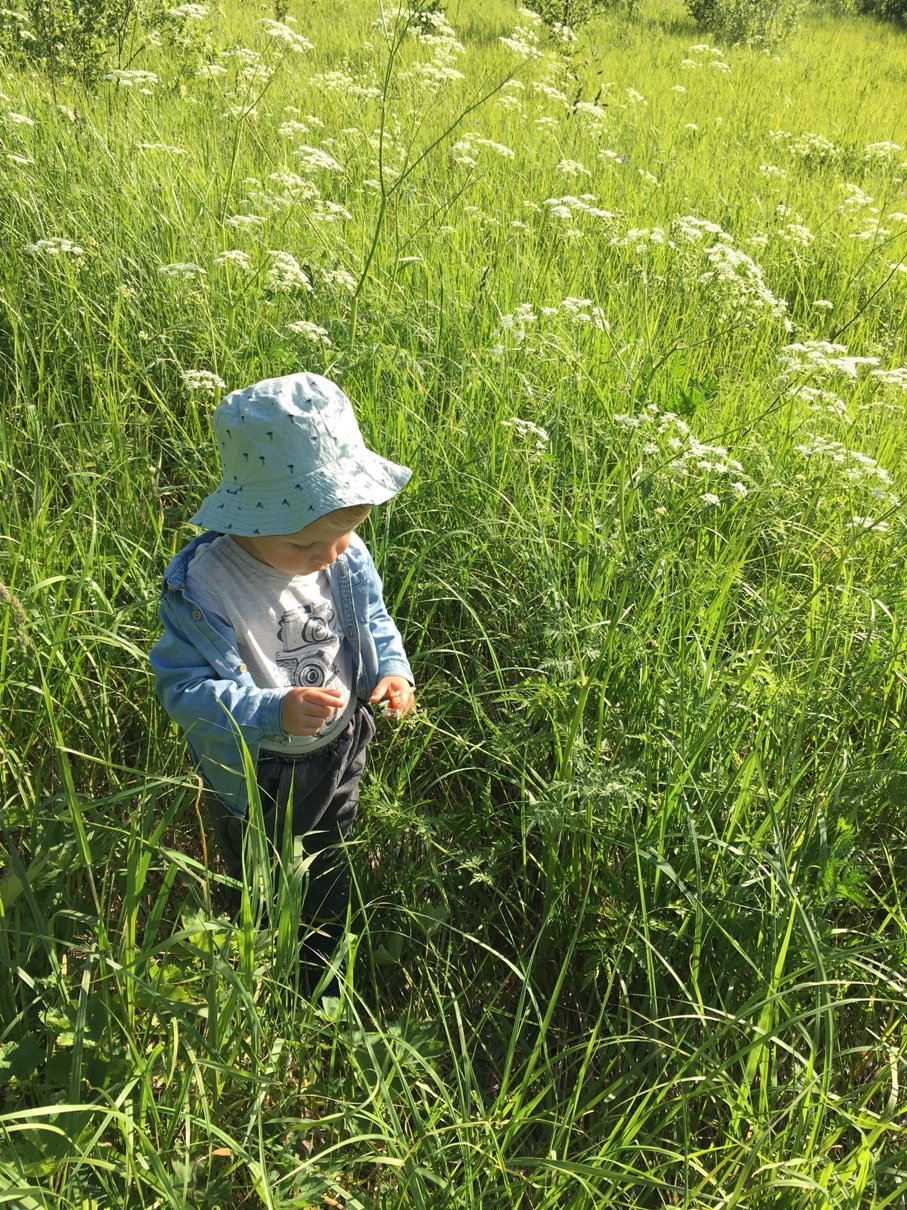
<point>245,222</point>
<point>55,246</point>
<point>188,12</point>
<point>340,279</point>
<point>527,431</point>
<point>202,380</point>
<point>286,274</point>
<point>167,148</point>
<point>132,78</point>
<point>181,270</point>
<point>858,522</point>
<point>234,256</point>
<point>315,159</point>
<point>311,331</point>
<point>283,33</point>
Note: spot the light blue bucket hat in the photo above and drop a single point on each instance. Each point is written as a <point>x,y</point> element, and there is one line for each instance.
<point>291,451</point>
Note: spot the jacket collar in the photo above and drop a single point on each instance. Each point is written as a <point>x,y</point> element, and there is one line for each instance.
<point>178,567</point>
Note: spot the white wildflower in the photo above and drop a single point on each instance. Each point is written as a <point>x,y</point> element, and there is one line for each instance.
<point>55,246</point>
<point>572,168</point>
<point>339,279</point>
<point>167,148</point>
<point>324,211</point>
<point>285,274</point>
<point>311,331</point>
<point>881,153</point>
<point>527,431</point>
<point>202,380</point>
<point>858,522</point>
<point>181,271</point>
<point>316,159</point>
<point>283,33</point>
<point>711,499</point>
<point>188,12</point>
<point>245,222</point>
<point>234,256</point>
<point>892,378</point>
<point>132,78</point>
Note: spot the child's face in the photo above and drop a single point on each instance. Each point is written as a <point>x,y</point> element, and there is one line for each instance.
<point>311,549</point>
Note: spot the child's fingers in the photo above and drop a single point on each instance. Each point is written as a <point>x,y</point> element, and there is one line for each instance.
<point>327,697</point>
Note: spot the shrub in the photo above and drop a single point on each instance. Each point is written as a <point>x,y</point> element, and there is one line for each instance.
<point>731,21</point>
<point>573,13</point>
<point>889,10</point>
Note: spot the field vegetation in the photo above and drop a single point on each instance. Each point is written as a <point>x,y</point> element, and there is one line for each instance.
<point>631,923</point>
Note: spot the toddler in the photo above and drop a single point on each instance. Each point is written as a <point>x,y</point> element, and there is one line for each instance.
<point>276,635</point>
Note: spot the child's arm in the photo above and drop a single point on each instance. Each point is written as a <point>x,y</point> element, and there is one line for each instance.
<point>201,683</point>
<point>396,683</point>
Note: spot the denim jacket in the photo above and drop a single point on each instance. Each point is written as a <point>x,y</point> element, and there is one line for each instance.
<point>205,687</point>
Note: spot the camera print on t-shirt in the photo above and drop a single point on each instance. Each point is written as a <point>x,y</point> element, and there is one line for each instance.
<point>309,647</point>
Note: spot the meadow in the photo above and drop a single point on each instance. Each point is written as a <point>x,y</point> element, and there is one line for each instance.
<point>631,885</point>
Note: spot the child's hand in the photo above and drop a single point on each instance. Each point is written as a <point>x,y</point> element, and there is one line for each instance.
<point>397,694</point>
<point>305,711</point>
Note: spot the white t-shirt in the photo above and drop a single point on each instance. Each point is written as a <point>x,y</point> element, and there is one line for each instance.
<point>287,628</point>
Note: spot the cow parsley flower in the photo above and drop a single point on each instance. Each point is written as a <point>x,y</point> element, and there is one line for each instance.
<point>181,271</point>
<point>315,159</point>
<point>188,12</point>
<point>277,29</point>
<point>202,380</point>
<point>532,434</point>
<point>167,148</point>
<point>55,246</point>
<point>311,331</point>
<point>235,256</point>
<point>132,78</point>
<point>285,274</point>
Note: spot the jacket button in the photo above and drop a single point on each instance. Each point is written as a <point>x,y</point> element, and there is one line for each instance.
<point>197,615</point>
<point>242,668</point>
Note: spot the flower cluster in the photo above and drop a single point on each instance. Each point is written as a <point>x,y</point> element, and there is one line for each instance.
<point>535,438</point>
<point>432,29</point>
<point>666,442</point>
<point>282,33</point>
<point>285,274</point>
<point>516,326</point>
<point>202,380</point>
<point>856,467</point>
<point>56,245</point>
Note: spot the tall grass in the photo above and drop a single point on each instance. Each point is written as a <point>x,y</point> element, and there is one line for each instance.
<point>630,902</point>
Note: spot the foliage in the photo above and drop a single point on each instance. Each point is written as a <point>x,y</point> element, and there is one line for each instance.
<point>630,922</point>
<point>733,21</point>
<point>572,14</point>
<point>888,10</point>
<point>69,36</point>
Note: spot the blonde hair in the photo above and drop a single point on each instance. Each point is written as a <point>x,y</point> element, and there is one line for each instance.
<point>351,516</point>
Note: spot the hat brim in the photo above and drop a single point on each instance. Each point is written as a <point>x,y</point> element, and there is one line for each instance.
<point>294,503</point>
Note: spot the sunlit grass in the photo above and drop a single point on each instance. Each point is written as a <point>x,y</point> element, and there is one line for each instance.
<point>630,914</point>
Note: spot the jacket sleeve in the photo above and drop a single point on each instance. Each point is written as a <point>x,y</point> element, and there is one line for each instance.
<point>209,694</point>
<point>388,641</point>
